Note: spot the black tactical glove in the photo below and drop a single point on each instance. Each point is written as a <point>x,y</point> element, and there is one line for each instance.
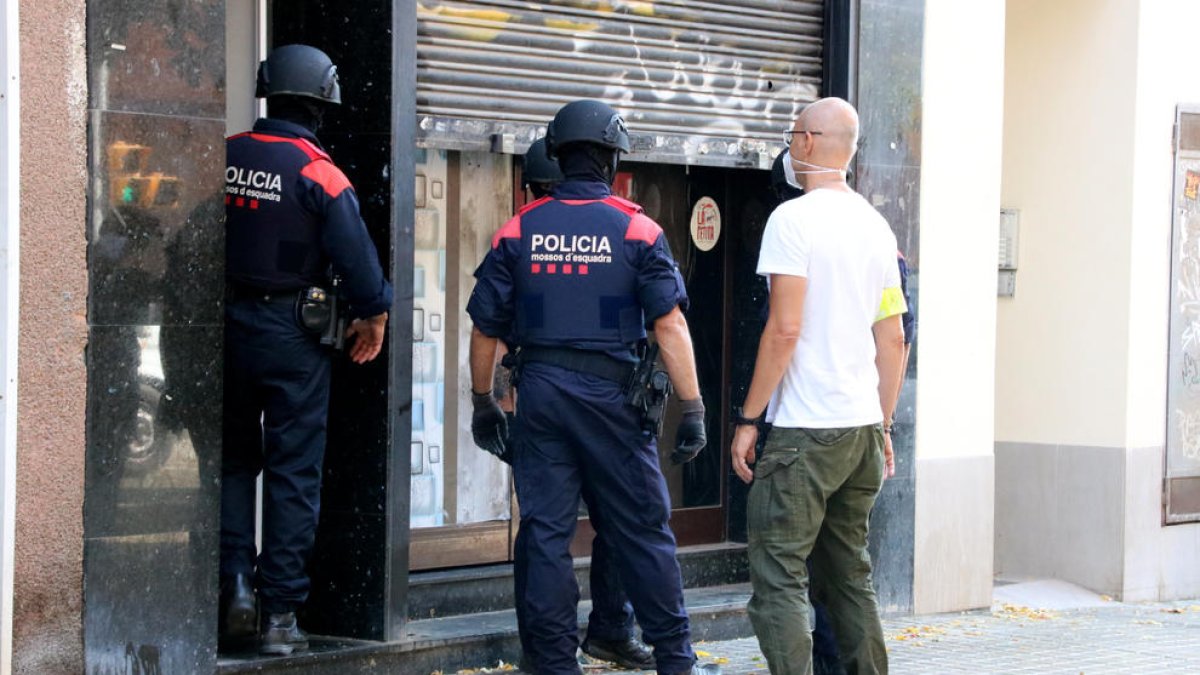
<point>507,457</point>
<point>689,436</point>
<point>489,426</point>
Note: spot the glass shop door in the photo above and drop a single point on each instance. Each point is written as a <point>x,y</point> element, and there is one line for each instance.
<point>462,508</point>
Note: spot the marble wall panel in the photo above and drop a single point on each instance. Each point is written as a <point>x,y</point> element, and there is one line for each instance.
<point>155,236</point>
<point>887,172</point>
<point>163,58</point>
<point>156,232</point>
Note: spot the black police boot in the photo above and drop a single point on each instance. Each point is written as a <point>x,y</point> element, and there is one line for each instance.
<point>281,635</point>
<point>237,618</point>
<point>630,653</point>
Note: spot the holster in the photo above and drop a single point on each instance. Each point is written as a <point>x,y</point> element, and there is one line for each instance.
<point>318,312</point>
<point>648,389</point>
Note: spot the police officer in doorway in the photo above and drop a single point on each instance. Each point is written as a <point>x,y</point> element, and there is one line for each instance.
<point>610,629</point>
<point>292,223</point>
<point>573,280</point>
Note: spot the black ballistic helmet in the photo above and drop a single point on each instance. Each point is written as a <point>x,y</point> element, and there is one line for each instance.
<point>779,185</point>
<point>586,121</point>
<point>537,167</point>
<point>299,70</point>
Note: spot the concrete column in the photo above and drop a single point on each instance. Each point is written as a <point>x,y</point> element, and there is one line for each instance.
<point>960,201</point>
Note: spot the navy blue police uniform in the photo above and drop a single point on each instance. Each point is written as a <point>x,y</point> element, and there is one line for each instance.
<point>292,217</point>
<point>583,272</point>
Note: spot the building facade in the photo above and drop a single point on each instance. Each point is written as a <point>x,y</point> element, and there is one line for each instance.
<point>1041,433</point>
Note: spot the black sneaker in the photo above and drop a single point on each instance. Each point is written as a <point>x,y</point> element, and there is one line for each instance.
<point>281,635</point>
<point>631,653</point>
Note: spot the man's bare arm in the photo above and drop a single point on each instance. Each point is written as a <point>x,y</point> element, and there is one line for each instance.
<point>889,361</point>
<point>675,346</point>
<point>903,371</point>
<point>483,360</point>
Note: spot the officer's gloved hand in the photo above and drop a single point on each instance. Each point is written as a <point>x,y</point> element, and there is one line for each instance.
<point>489,426</point>
<point>690,438</point>
<point>507,456</point>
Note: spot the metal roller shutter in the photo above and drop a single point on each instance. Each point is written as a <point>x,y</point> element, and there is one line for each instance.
<point>698,82</point>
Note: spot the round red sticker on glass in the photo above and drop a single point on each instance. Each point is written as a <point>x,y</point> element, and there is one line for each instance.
<point>706,224</point>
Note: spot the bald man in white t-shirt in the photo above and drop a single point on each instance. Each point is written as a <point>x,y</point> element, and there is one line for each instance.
<point>826,378</point>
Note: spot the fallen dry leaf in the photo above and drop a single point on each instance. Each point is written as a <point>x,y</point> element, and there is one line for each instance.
<point>1017,612</point>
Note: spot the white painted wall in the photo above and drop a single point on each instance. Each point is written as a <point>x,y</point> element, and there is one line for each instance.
<point>1159,561</point>
<point>9,307</point>
<point>1091,91</point>
<point>960,201</point>
<point>963,90</point>
<point>1062,342</point>
<point>1167,35</point>
<point>1062,354</point>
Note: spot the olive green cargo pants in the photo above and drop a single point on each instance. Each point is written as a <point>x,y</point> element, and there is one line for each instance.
<point>811,498</point>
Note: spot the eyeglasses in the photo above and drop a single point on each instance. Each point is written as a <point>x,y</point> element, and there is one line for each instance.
<point>787,135</point>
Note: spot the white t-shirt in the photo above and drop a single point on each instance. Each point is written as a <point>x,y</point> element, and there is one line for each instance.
<point>848,254</point>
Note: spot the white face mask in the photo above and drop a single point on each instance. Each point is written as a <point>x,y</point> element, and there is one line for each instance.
<point>790,172</point>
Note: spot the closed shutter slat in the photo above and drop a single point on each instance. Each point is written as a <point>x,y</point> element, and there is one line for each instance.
<point>736,71</point>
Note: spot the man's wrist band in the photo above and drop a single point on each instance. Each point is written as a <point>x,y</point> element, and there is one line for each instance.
<point>740,419</point>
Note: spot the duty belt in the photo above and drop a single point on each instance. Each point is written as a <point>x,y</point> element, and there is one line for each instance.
<point>582,361</point>
<point>236,291</point>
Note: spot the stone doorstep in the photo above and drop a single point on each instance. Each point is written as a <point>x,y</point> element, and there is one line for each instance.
<point>455,643</point>
<point>489,588</point>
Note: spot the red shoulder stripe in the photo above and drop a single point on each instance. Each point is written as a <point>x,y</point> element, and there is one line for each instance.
<point>324,173</point>
<point>304,145</point>
<point>642,228</point>
<point>622,204</point>
<point>533,204</point>
<point>237,136</point>
<point>511,229</point>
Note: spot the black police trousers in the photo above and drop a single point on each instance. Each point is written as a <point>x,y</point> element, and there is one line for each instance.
<point>276,407</point>
<point>571,429</point>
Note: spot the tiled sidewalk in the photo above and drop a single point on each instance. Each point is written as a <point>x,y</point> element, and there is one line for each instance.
<point>1112,638</point>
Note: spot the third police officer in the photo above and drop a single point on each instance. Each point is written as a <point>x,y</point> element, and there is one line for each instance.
<point>573,280</point>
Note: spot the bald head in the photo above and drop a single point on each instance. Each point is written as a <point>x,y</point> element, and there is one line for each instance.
<point>837,121</point>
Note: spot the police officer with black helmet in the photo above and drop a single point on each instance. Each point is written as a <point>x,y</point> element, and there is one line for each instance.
<point>292,224</point>
<point>539,173</point>
<point>610,633</point>
<point>573,280</point>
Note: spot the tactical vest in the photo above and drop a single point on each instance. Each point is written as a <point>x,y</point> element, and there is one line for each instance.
<point>272,230</point>
<point>576,276</point>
